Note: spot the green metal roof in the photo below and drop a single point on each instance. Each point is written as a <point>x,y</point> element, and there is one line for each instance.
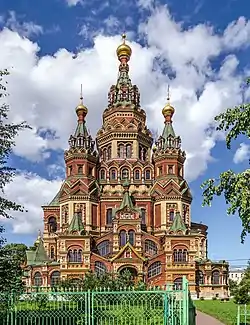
<point>178,223</point>
<point>76,223</point>
<point>39,256</point>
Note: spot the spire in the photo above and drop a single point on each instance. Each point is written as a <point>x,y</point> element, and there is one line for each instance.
<point>168,138</point>
<point>38,256</point>
<point>178,223</point>
<point>124,92</point>
<point>81,137</point>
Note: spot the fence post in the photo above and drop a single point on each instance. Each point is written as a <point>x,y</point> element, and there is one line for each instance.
<point>185,312</point>
<point>238,315</point>
<point>89,307</point>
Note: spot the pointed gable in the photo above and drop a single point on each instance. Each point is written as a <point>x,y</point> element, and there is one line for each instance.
<point>130,249</point>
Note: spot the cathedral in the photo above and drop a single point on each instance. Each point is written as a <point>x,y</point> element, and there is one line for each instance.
<point>125,204</point>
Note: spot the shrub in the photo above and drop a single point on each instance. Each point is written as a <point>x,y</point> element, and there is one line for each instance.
<point>214,298</point>
<point>202,298</point>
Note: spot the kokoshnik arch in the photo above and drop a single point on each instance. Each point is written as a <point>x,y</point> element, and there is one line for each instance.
<point>124,203</point>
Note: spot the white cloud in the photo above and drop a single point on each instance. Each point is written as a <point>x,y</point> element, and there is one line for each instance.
<point>242,153</point>
<point>32,191</point>
<point>24,28</point>
<point>72,3</point>
<point>45,90</point>
<point>237,34</point>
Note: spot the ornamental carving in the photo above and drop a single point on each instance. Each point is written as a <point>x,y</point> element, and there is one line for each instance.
<point>65,213</point>
<point>81,208</point>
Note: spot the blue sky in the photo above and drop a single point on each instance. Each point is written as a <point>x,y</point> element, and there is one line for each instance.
<point>201,46</point>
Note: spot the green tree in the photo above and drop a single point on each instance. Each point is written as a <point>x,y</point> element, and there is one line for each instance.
<point>234,186</point>
<point>233,286</point>
<point>17,250</point>
<point>8,132</point>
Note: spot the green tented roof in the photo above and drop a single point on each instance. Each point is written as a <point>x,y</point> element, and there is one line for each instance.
<point>39,256</point>
<point>178,223</point>
<point>81,129</point>
<point>76,223</point>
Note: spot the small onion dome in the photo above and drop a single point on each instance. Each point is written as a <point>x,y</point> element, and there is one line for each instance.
<point>81,109</point>
<point>154,148</point>
<point>37,240</point>
<point>168,110</point>
<point>124,49</point>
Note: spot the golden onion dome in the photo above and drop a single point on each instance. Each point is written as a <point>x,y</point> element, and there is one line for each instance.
<point>168,110</point>
<point>81,108</point>
<point>124,49</point>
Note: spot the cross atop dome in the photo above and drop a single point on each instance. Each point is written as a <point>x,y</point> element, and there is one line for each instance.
<point>124,50</point>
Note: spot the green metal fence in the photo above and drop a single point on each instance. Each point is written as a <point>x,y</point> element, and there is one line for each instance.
<point>243,315</point>
<point>159,306</point>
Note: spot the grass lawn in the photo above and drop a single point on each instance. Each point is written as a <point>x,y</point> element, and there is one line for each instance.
<point>226,311</point>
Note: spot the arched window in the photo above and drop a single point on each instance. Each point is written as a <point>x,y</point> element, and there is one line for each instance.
<point>143,216</point>
<point>109,152</point>
<point>52,224</point>
<point>180,256</point>
<point>199,277</point>
<point>38,281</point>
<point>147,174</point>
<point>75,256</point>
<point>54,278</point>
<point>123,238</point>
<point>102,174</point>
<point>215,277</point>
<point>131,237</point>
<point>52,252</point>
<point>154,269</point>
<point>128,151</point>
<point>171,215</point>
<point>178,284</point>
<point>137,175</point>
<point>100,268</point>
<point>125,173</point>
<point>121,151</point>
<point>105,154</point>
<point>112,174</point>
<point>109,216</point>
<point>79,256</point>
<point>150,247</point>
<point>104,248</point>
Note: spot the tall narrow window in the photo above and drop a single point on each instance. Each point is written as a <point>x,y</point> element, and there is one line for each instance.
<point>171,215</point>
<point>147,174</point>
<point>125,173</point>
<point>150,247</point>
<point>109,216</point>
<point>123,238</point>
<point>102,174</point>
<point>38,281</point>
<point>69,170</point>
<point>178,284</point>
<point>170,169</point>
<point>128,151</point>
<point>113,174</point>
<point>109,152</point>
<point>54,278</point>
<point>143,216</point>
<point>52,252</point>
<point>137,174</point>
<point>215,277</point>
<point>79,255</point>
<point>52,224</point>
<point>105,156</point>
<point>121,151</point>
<point>80,169</point>
<point>104,248</point>
<point>160,171</point>
<point>131,237</point>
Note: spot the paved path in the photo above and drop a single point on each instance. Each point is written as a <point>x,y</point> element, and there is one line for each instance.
<point>203,319</point>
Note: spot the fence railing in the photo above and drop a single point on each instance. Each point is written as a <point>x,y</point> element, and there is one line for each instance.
<point>243,315</point>
<point>71,306</point>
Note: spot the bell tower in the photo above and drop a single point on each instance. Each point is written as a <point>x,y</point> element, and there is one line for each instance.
<point>171,191</point>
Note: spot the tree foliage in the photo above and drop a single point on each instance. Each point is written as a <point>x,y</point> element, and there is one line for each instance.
<point>234,186</point>
<point>109,281</point>
<point>8,132</point>
<point>11,272</point>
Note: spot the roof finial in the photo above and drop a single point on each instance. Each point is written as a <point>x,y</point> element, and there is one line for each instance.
<point>81,108</point>
<point>124,36</point>
<point>81,97</point>
<point>168,94</point>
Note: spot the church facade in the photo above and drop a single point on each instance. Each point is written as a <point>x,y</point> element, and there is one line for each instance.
<point>125,204</point>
